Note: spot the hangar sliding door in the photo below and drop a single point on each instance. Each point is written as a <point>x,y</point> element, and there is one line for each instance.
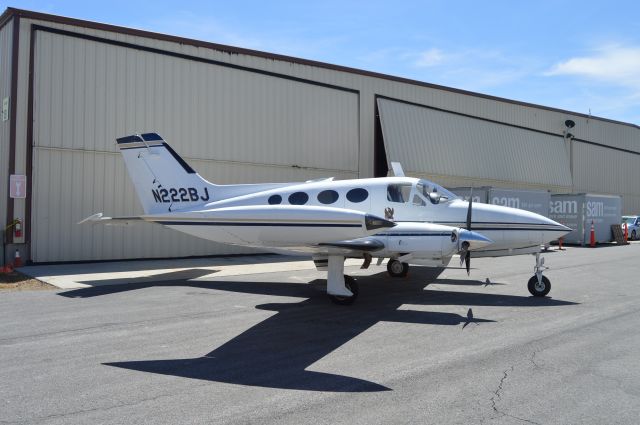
<point>233,124</point>
<point>458,150</point>
<point>6,40</point>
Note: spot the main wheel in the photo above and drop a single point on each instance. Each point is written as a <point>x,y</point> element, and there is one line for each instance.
<point>351,285</point>
<point>397,269</point>
<point>633,235</point>
<point>539,289</point>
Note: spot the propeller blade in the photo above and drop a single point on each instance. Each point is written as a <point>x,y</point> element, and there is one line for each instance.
<point>465,254</point>
<point>467,261</point>
<point>464,250</point>
<point>469,210</point>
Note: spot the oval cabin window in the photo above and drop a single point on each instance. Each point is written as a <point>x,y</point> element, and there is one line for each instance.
<point>357,195</point>
<point>327,196</point>
<point>274,199</point>
<point>298,198</point>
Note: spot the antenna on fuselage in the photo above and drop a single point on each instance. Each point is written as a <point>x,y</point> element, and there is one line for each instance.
<point>397,169</point>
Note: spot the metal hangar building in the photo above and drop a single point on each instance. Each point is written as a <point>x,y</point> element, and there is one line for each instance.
<point>70,87</point>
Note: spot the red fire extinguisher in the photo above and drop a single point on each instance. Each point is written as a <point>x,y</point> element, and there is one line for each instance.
<point>17,228</point>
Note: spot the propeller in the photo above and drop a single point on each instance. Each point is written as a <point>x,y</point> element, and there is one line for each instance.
<point>465,254</point>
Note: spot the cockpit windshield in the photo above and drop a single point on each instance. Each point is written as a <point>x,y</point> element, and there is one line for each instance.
<point>427,191</point>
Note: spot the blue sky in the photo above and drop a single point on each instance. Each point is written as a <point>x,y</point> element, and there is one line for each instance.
<point>583,56</point>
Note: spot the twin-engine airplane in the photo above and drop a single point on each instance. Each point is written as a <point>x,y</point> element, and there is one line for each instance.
<point>331,220</point>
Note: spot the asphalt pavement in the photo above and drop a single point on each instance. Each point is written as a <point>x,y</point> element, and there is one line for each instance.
<point>265,345</point>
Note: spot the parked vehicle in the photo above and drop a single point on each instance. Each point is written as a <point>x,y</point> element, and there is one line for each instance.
<point>633,223</point>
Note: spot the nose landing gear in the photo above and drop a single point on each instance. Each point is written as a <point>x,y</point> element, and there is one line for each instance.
<point>539,285</point>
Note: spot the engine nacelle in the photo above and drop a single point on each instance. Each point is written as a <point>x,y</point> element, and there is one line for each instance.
<point>428,241</point>
<point>423,240</point>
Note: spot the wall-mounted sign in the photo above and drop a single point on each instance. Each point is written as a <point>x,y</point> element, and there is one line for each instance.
<point>17,186</point>
<point>5,109</point>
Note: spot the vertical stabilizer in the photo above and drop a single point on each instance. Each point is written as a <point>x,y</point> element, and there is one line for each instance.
<point>163,180</point>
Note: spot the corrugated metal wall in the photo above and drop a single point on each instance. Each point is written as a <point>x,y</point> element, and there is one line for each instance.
<point>601,170</point>
<point>5,91</point>
<point>241,126</point>
<point>440,145</point>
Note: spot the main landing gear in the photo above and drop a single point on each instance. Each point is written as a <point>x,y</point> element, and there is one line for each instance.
<point>351,284</point>
<point>342,289</point>
<point>397,268</point>
<point>539,285</point>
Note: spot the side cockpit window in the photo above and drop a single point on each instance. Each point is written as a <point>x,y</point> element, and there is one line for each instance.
<point>399,192</point>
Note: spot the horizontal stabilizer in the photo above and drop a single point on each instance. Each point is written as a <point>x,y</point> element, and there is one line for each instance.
<point>110,221</point>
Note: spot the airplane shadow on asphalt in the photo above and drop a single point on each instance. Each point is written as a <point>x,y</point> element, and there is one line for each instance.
<point>276,352</point>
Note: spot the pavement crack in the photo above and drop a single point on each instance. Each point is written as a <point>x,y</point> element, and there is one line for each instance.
<point>497,395</point>
<point>532,359</point>
<point>498,391</point>
<point>522,419</point>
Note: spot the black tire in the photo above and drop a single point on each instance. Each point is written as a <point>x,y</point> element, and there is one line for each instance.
<point>633,235</point>
<point>538,290</point>
<point>351,285</point>
<point>397,269</point>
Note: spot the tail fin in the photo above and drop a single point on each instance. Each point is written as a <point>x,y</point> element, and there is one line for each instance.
<point>164,181</point>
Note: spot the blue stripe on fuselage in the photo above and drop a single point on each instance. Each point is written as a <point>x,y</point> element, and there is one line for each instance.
<point>253,224</point>
<point>415,234</point>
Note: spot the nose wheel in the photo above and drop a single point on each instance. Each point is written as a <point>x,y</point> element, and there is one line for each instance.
<point>539,285</point>
<point>539,289</point>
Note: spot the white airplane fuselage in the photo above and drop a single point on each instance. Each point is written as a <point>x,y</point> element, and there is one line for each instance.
<point>513,231</point>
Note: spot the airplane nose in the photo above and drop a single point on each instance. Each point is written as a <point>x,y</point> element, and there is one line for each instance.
<point>512,227</point>
<point>552,230</point>
<point>553,225</point>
